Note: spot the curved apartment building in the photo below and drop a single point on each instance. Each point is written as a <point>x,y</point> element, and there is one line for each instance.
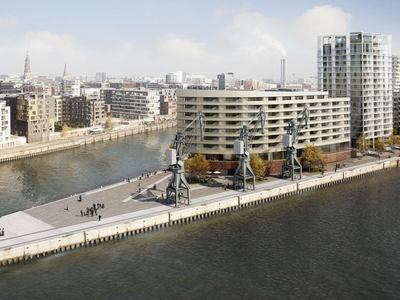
<point>227,111</point>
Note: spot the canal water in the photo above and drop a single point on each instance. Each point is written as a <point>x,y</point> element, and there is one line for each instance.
<point>341,242</point>
<point>38,180</point>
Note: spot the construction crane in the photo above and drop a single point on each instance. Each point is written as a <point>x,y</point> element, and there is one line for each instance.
<point>290,139</point>
<point>178,187</point>
<point>243,146</point>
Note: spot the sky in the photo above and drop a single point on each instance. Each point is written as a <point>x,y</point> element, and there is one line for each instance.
<point>154,37</point>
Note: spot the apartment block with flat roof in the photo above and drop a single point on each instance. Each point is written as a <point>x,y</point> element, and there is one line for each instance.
<point>227,111</point>
<point>35,117</point>
<point>82,111</point>
<point>5,125</point>
<point>359,65</point>
<point>135,104</point>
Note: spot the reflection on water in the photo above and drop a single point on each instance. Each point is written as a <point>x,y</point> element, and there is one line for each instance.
<point>38,180</point>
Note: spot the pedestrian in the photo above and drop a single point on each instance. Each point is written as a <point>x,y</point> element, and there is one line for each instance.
<point>335,168</point>
<point>80,198</point>
<point>2,232</point>
<point>66,208</point>
<point>81,213</point>
<point>91,211</point>
<point>162,195</point>
<point>99,218</point>
<point>102,206</point>
<point>87,210</point>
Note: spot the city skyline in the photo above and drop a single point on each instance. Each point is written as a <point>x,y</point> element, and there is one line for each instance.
<point>153,38</point>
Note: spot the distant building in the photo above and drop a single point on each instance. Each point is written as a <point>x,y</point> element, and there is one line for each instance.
<point>8,88</point>
<point>57,109</point>
<point>359,65</point>
<point>70,87</point>
<point>226,81</point>
<point>168,103</point>
<point>105,95</point>
<point>35,117</point>
<point>91,93</point>
<point>135,104</point>
<point>174,77</point>
<point>101,77</point>
<point>6,137</point>
<point>5,128</point>
<point>82,111</point>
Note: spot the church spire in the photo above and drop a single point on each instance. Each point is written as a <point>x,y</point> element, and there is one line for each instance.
<point>65,74</point>
<point>27,68</point>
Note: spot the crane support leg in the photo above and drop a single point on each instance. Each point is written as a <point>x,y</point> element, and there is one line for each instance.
<point>244,166</point>
<point>178,188</point>
<point>291,164</point>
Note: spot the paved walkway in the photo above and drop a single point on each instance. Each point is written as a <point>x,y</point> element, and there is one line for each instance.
<point>124,201</point>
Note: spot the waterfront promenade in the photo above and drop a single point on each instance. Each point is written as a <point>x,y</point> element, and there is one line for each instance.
<point>124,203</point>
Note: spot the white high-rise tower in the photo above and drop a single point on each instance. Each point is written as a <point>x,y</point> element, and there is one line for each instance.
<point>359,65</point>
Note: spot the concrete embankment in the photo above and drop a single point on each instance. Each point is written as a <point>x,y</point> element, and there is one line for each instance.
<point>59,145</point>
<point>200,209</point>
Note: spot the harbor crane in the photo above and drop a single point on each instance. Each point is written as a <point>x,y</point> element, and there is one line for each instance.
<point>178,187</point>
<point>290,139</point>
<point>242,146</point>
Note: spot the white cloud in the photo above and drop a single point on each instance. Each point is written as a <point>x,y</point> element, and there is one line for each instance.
<point>182,48</point>
<point>257,27</point>
<point>8,21</point>
<point>250,44</point>
<point>322,20</point>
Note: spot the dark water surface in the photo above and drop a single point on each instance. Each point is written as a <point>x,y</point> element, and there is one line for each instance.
<point>341,242</point>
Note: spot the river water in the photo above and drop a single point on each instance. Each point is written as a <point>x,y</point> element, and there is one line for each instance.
<point>341,242</point>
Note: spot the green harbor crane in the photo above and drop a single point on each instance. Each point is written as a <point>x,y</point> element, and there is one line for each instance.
<point>242,148</point>
<point>290,139</point>
<point>178,188</point>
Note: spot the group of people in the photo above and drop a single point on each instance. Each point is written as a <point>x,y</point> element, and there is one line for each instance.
<point>148,174</point>
<point>92,210</point>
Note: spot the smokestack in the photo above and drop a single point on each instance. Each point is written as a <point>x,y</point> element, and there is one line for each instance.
<point>283,73</point>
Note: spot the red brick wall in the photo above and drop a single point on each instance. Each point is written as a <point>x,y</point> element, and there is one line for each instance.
<point>274,166</point>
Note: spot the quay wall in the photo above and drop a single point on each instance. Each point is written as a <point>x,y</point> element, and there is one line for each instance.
<point>59,145</point>
<point>186,214</point>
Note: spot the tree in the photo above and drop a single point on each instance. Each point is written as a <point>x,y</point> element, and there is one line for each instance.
<point>362,144</point>
<point>197,166</point>
<point>312,157</point>
<point>64,130</point>
<point>258,166</point>
<point>379,145</point>
<point>109,124</point>
<point>394,139</point>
